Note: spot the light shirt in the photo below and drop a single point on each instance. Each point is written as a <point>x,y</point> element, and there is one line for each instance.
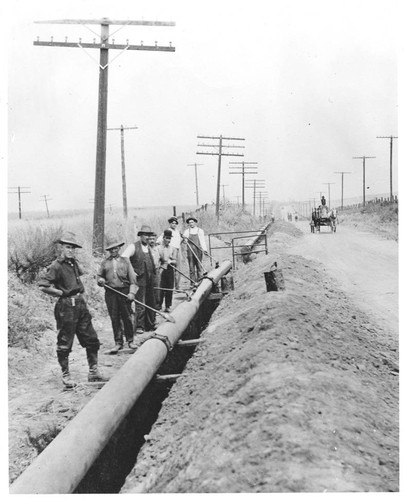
<point>200,233</point>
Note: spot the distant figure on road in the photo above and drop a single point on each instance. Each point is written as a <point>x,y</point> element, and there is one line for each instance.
<point>116,272</point>
<point>195,239</point>
<point>176,241</point>
<point>140,256</point>
<point>312,225</point>
<point>62,280</point>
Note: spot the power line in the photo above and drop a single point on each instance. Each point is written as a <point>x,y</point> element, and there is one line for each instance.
<point>329,196</point>
<point>46,199</point>
<point>363,158</point>
<point>219,153</point>
<point>195,165</point>
<point>104,46</point>
<point>19,192</point>
<point>342,186</point>
<point>256,183</point>
<point>124,198</point>
<point>391,137</point>
<point>243,172</point>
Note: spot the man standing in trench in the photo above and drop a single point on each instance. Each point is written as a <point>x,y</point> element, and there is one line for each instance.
<point>62,280</point>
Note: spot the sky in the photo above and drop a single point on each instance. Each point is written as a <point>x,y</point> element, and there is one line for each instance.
<point>307,84</point>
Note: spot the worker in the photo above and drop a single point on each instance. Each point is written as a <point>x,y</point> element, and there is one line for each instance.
<point>166,262</point>
<point>194,237</point>
<point>176,241</point>
<point>117,273</point>
<point>140,256</point>
<point>62,280</point>
<point>156,257</point>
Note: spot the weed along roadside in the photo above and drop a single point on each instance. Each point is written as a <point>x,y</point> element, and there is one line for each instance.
<point>259,392</point>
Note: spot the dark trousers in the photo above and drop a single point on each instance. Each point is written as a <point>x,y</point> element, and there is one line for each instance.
<point>166,281</point>
<point>119,310</point>
<point>195,268</point>
<point>73,318</point>
<point>145,318</point>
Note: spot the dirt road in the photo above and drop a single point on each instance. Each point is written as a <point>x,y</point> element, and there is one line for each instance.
<point>365,266</point>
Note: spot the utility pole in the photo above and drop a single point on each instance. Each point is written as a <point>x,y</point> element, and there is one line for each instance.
<point>329,196</point>
<point>104,45</point>
<point>342,186</point>
<point>391,137</point>
<point>46,199</point>
<point>262,196</point>
<point>223,186</point>
<point>196,180</point>
<point>363,158</point>
<point>219,153</point>
<point>124,198</point>
<point>19,192</point>
<point>255,183</point>
<point>243,172</point>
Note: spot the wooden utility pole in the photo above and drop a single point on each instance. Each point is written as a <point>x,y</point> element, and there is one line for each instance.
<point>196,180</point>
<point>263,195</point>
<point>223,186</point>
<point>391,137</point>
<point>342,186</point>
<point>19,192</point>
<point>255,183</point>
<point>46,199</point>
<point>243,172</point>
<point>219,153</point>
<point>329,195</point>
<point>124,198</point>
<point>104,46</point>
<point>363,158</point>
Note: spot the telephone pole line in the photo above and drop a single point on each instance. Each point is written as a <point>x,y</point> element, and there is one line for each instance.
<point>255,183</point>
<point>196,180</point>
<point>104,46</point>
<point>363,158</point>
<point>219,153</point>
<point>342,186</point>
<point>46,199</point>
<point>124,198</point>
<point>19,192</point>
<point>223,186</point>
<point>391,137</point>
<point>243,172</point>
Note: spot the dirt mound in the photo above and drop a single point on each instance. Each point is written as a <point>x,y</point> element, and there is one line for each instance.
<point>292,391</point>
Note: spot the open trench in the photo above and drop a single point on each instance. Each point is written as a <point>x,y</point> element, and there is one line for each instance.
<point>108,472</point>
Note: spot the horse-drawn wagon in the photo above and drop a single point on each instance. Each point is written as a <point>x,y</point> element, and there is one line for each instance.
<point>321,216</point>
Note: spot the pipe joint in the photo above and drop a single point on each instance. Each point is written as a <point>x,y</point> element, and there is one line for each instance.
<point>166,341</point>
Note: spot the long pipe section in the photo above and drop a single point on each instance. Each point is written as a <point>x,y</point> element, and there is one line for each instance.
<point>65,461</point>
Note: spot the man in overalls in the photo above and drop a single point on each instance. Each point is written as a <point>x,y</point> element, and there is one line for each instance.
<point>194,237</point>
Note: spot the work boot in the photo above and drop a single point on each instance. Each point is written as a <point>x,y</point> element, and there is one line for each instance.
<point>94,375</point>
<point>63,359</point>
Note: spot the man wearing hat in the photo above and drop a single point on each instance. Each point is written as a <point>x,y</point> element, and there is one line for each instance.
<point>62,280</point>
<point>117,272</point>
<point>166,261</point>
<point>176,241</point>
<point>140,257</point>
<point>195,239</point>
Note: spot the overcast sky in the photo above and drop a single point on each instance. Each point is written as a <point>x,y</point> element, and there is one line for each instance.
<point>308,85</point>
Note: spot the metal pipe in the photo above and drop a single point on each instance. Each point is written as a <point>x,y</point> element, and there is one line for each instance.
<point>65,461</point>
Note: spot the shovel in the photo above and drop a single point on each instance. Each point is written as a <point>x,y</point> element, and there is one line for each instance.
<point>166,316</point>
<point>185,276</point>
